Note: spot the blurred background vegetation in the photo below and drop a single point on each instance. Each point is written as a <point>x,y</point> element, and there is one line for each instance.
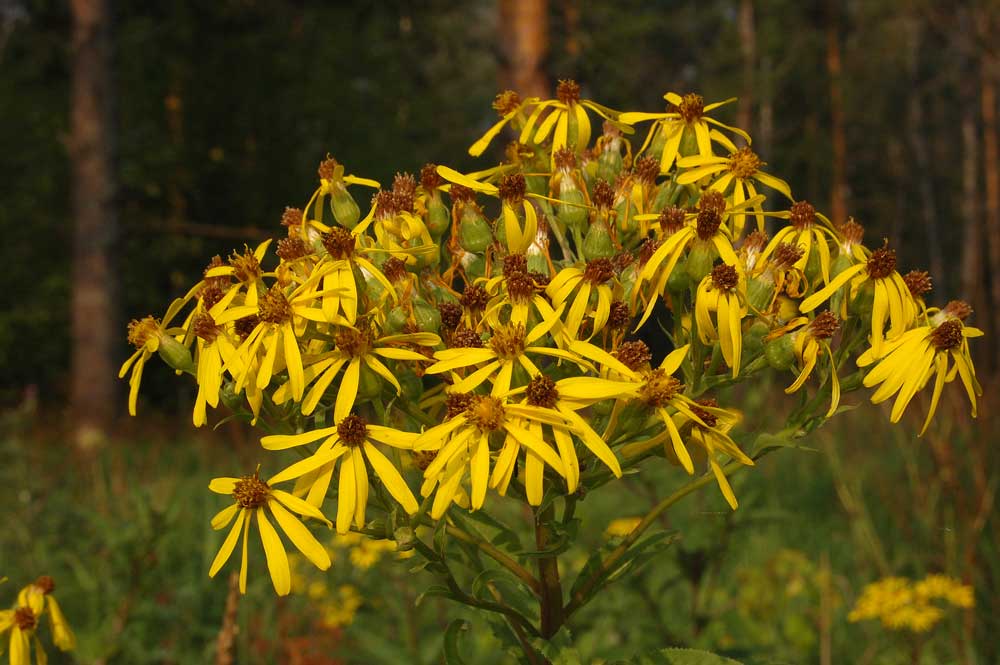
<point>140,139</point>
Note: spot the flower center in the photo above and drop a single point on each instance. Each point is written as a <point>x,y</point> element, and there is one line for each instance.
<point>918,282</point>
<point>659,388</point>
<point>246,267</point>
<point>565,159</point>
<point>465,338</point>
<point>291,217</point>
<point>599,271</point>
<point>542,392</point>
<point>429,178</point>
<point>725,277</point>
<point>512,188</point>
<point>474,298</point>
<point>948,335</point>
<point>204,327</point>
<point>291,248</point>
<point>620,315</point>
<point>568,91</point>
<point>451,314</point>
<point>246,325</point>
<point>141,331</point>
<point>508,341</point>
<point>352,430</point>
<point>352,342</point>
<point>706,416</point>
<point>634,355</point>
<point>485,412</point>
<point>274,306</point>
<point>25,619</point>
<point>709,221</point>
<point>692,107</point>
<point>744,163</point>
<point>882,262</point>
<point>506,102</point>
<point>824,325</point>
<point>339,243</point>
<point>45,584</point>
<point>958,309</point>
<point>786,254</point>
<point>604,195</point>
<point>457,403</point>
<point>802,215</point>
<point>520,287</point>
<point>646,170</point>
<point>251,492</point>
<point>671,220</point>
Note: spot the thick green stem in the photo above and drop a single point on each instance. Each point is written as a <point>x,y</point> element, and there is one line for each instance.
<point>548,573</point>
<point>489,550</point>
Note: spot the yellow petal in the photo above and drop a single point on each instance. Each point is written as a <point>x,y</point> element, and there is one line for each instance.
<point>274,551</point>
<point>300,536</point>
<point>228,544</point>
<point>391,478</point>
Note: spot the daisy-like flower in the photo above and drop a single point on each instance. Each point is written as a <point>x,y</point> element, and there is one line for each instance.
<point>254,498</point>
<point>517,294</point>
<point>507,348</point>
<point>723,292</point>
<point>596,277</point>
<point>351,442</point>
<point>340,297</point>
<point>773,275</point>
<point>807,340</point>
<point>247,271</point>
<point>892,303</point>
<point>510,106</point>
<point>567,120</point>
<point>741,168</point>
<point>462,443</point>
<point>545,393</point>
<point>216,348</point>
<point>22,622</point>
<point>711,433</point>
<point>38,596</point>
<point>274,337</point>
<point>810,230</point>
<point>939,349</point>
<point>684,114</point>
<point>333,184</point>
<point>150,336</point>
<point>355,347</point>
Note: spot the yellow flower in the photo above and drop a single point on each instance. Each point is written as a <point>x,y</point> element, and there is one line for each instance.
<point>216,347</point>
<point>806,233</point>
<point>685,114</point>
<point>340,287</point>
<point>723,292</point>
<point>596,277</point>
<point>21,622</point>
<point>711,432</point>
<point>892,303</point>
<point>508,348</point>
<point>462,443</point>
<point>150,336</point>
<point>808,340</point>
<point>332,183</point>
<point>255,498</point>
<point>38,596</point>
<point>354,347</point>
<point>510,107</point>
<point>246,269</point>
<point>740,169</point>
<point>567,120</point>
<point>351,441</point>
<point>939,349</point>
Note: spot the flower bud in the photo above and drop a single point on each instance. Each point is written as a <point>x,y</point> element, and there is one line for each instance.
<point>780,352</point>
<point>438,216</point>
<point>760,293</point>
<point>396,320</point>
<point>175,354</point>
<point>609,165</point>
<point>474,233</point>
<point>598,243</point>
<point>700,261</point>
<point>345,208</point>
<point>405,538</point>
<point>572,216</point>
<point>537,184</point>
<point>369,384</point>
<point>863,302</point>
<point>428,319</point>
<point>679,280</point>
<point>753,341</point>
<point>689,143</point>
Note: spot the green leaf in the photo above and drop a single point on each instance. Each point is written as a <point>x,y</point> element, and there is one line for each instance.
<point>436,590</point>
<point>451,634</point>
<point>675,656</point>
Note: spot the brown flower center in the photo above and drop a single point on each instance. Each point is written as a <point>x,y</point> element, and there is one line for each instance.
<point>45,584</point>
<point>568,91</point>
<point>204,326</point>
<point>474,298</point>
<point>466,339</point>
<point>512,188</point>
<point>671,220</point>
<point>251,492</point>
<point>958,309</point>
<point>25,619</point>
<point>394,269</point>
<point>542,391</point>
<point>339,242</point>
<point>274,306</point>
<point>853,232</point>
<point>141,331</point>
<point>692,107</point>
<point>508,341</point>
<point>786,254</point>
<point>292,248</point>
<point>520,287</point>
<point>429,178</point>
<point>744,163</point>
<point>506,102</point>
<point>706,416</point>
<point>451,314</point>
<point>291,217</point>
<point>712,200</point>
<point>456,403</point>
<point>599,271</point>
<point>462,193</point>
<point>353,342</point>
<point>604,195</point>
<point>725,277</point>
<point>620,315</point>
<point>634,355</point>
<point>565,159</point>
<point>485,412</point>
<point>659,388</point>
<point>918,282</point>
<point>352,430</point>
<point>948,335</point>
<point>802,215</point>
<point>246,325</point>
<point>709,221</point>
<point>514,263</point>
<point>246,267</point>
<point>646,170</point>
<point>882,262</point>
<point>327,168</point>
<point>423,458</point>
<point>824,325</point>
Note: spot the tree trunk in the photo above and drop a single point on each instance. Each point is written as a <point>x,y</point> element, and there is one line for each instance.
<point>93,381</point>
<point>972,234</point>
<point>524,26</point>
<point>748,50</point>
<point>991,172</point>
<point>838,193</point>
<point>928,202</point>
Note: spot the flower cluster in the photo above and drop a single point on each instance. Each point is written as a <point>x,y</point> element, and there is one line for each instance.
<point>902,604</point>
<point>25,618</point>
<point>538,326</point>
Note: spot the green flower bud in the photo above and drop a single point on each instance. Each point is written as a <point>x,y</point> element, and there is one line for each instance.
<point>474,233</point>
<point>655,149</point>
<point>609,165</point>
<point>230,398</point>
<point>537,184</point>
<point>537,263</point>
<point>753,341</point>
<point>780,352</point>
<point>665,195</point>
<point>369,384</point>
<point>814,270</point>
<point>345,208</point>
<point>598,243</point>
<point>476,267</point>
<point>689,143</point>
<point>572,216</point>
<point>679,280</point>
<point>428,318</point>
<point>175,354</point>
<point>700,261</point>
<point>760,293</point>
<point>412,386</point>
<point>405,538</point>
<point>438,217</point>
<point>863,302</point>
<point>396,320</point>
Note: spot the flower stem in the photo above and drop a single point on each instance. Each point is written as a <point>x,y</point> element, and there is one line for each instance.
<point>548,573</point>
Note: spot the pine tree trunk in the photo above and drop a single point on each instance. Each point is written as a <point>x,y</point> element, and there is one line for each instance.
<point>838,194</point>
<point>524,25</point>
<point>991,173</point>
<point>748,50</point>
<point>93,381</point>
